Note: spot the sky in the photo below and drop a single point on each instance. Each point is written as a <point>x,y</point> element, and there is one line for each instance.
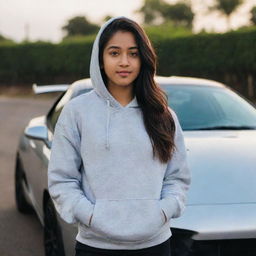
<point>43,19</point>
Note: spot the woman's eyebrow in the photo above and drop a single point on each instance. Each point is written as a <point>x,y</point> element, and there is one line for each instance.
<point>117,47</point>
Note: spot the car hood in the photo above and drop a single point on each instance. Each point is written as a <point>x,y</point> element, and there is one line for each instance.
<point>223,167</point>
<point>219,221</point>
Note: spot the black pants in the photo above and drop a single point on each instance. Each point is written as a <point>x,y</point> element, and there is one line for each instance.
<point>162,249</point>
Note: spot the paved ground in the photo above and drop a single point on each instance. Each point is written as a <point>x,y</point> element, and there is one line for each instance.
<point>20,235</point>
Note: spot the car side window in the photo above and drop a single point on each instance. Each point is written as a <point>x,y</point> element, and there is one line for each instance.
<point>55,113</point>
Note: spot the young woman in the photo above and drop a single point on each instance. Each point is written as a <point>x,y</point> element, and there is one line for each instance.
<point>118,164</point>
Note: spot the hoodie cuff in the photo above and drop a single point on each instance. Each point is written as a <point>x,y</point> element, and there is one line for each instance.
<point>83,211</point>
<point>170,207</point>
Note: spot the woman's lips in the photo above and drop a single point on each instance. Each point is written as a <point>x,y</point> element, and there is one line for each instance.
<point>123,73</point>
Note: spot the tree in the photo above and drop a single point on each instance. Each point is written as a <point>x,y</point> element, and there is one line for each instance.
<point>4,39</point>
<point>80,26</point>
<point>227,7</point>
<point>180,14</point>
<point>253,15</point>
<point>154,11</point>
<point>107,17</point>
<point>151,11</point>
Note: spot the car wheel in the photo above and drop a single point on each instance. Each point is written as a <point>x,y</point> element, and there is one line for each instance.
<point>53,243</point>
<point>22,204</point>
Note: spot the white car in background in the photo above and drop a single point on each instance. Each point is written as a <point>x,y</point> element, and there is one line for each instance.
<point>220,135</point>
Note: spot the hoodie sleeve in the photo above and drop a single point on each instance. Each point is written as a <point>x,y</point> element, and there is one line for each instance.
<point>64,177</point>
<point>177,177</point>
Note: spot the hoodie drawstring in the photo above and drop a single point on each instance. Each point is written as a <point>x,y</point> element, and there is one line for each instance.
<point>107,126</point>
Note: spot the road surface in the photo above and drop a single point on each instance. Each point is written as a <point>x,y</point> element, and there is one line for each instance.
<point>20,235</point>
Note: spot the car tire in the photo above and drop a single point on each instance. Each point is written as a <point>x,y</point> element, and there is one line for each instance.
<point>53,243</point>
<point>22,204</point>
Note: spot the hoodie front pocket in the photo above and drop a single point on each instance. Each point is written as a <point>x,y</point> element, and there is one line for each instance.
<point>130,220</point>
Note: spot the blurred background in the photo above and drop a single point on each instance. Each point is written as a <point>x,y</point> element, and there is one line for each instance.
<point>48,42</point>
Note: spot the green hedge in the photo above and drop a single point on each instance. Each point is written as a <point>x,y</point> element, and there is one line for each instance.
<point>44,62</point>
<point>229,57</point>
<point>208,53</point>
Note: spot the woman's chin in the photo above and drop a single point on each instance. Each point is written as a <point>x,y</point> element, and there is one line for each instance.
<point>123,84</point>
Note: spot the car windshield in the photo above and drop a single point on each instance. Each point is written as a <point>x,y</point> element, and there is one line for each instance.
<point>210,108</point>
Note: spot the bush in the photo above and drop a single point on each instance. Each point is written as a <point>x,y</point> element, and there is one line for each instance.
<point>229,57</point>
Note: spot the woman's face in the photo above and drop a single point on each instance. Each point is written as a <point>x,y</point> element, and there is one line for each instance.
<point>121,60</point>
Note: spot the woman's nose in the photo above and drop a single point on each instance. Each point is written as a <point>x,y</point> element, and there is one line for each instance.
<point>124,61</point>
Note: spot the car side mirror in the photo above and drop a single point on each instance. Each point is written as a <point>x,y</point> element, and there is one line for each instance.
<point>38,132</point>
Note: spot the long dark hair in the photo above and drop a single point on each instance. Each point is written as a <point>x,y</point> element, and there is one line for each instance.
<point>152,100</point>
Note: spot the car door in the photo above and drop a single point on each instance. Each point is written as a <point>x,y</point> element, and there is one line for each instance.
<point>35,157</point>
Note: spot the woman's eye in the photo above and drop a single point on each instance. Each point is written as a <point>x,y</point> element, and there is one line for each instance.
<point>114,53</point>
<point>134,54</point>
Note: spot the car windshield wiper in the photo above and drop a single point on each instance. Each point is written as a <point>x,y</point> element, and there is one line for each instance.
<point>227,127</point>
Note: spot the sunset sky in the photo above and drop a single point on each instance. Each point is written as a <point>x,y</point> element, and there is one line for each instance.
<point>43,19</point>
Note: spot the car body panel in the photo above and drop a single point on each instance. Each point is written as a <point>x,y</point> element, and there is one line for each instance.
<point>218,221</point>
<point>35,165</point>
<point>228,161</point>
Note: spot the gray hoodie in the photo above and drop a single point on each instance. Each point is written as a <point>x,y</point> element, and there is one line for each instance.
<point>101,165</point>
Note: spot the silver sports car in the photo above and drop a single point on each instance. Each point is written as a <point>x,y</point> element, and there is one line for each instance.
<point>220,135</point>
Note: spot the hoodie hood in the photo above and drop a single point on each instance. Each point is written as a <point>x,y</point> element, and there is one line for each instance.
<point>95,73</point>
